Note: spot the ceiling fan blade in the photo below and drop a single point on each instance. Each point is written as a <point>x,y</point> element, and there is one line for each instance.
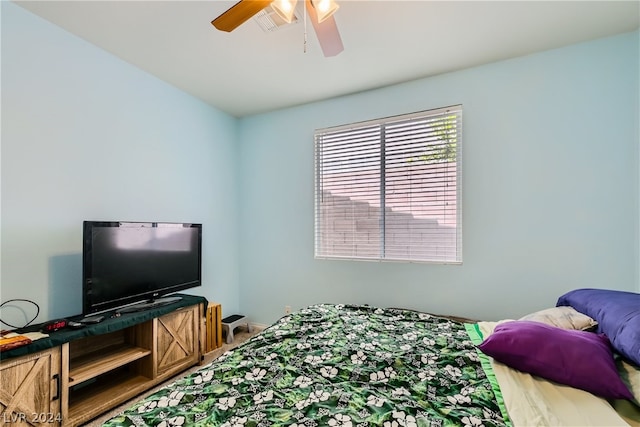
<point>238,14</point>
<point>327,32</point>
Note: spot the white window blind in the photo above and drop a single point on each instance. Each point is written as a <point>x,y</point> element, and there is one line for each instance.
<point>389,189</point>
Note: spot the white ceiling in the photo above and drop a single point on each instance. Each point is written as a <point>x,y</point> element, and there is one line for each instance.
<point>249,71</point>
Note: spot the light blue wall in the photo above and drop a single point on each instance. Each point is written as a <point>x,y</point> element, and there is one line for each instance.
<point>88,136</point>
<point>550,189</point>
<point>551,183</point>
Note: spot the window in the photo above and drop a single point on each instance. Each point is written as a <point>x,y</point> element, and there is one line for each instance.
<point>389,189</point>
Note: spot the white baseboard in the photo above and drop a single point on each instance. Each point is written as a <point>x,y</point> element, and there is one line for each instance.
<point>260,326</point>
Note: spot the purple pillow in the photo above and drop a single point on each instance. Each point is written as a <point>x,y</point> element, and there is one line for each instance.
<point>617,314</point>
<point>579,359</point>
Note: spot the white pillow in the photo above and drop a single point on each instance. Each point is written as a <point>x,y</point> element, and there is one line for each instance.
<point>564,317</point>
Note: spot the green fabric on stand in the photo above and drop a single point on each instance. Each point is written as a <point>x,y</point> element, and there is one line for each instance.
<point>111,323</point>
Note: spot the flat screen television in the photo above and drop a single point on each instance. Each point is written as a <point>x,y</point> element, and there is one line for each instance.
<point>132,266</point>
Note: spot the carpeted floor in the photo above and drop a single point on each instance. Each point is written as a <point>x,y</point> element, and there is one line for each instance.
<point>240,335</point>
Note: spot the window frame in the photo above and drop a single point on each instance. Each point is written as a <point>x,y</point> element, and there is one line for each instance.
<point>319,134</point>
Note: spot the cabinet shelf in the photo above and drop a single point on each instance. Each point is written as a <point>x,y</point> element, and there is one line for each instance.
<point>93,364</point>
<point>100,397</point>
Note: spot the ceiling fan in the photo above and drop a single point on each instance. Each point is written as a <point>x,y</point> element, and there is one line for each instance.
<point>320,11</point>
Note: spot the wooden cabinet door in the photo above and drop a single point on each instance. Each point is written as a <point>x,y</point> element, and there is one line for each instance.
<point>177,340</point>
<point>30,389</point>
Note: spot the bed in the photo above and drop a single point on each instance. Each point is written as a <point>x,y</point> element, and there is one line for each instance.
<point>357,365</point>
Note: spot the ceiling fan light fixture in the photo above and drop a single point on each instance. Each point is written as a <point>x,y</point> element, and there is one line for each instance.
<point>285,9</point>
<point>325,8</point>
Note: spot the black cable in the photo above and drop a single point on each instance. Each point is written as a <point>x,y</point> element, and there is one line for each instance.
<point>29,322</point>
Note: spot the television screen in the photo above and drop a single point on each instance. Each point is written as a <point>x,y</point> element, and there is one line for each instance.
<point>130,262</point>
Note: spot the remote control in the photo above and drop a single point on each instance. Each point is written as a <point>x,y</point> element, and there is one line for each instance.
<point>92,319</point>
<point>75,325</point>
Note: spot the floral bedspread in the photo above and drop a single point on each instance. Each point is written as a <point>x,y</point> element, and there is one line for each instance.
<point>334,365</point>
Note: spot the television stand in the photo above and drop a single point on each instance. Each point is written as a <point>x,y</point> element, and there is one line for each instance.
<point>73,376</point>
<point>147,305</point>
